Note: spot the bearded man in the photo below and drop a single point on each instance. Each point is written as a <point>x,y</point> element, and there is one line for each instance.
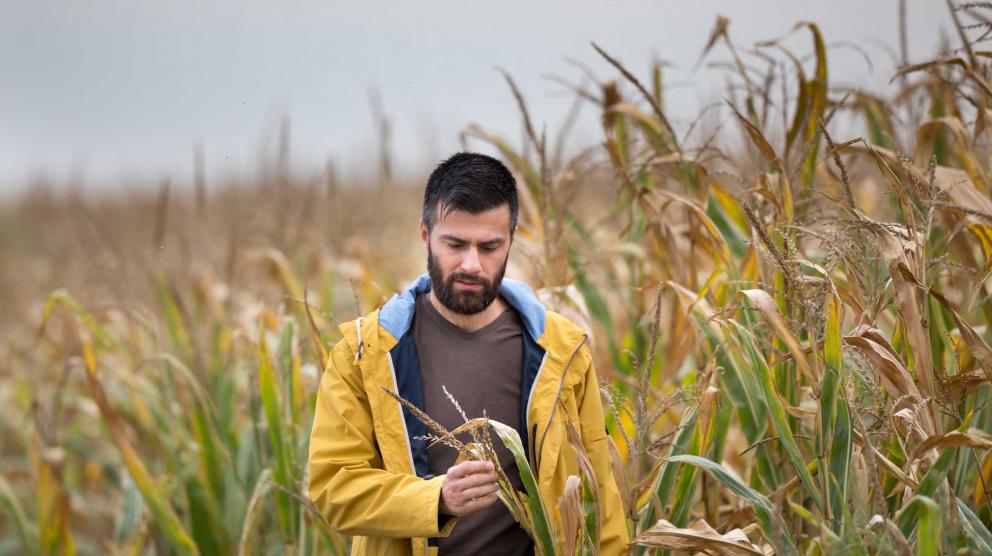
<point>495,348</point>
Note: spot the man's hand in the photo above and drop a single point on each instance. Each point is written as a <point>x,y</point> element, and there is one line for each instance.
<point>469,487</point>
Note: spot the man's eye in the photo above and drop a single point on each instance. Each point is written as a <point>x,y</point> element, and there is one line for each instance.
<point>488,248</point>
<point>456,245</point>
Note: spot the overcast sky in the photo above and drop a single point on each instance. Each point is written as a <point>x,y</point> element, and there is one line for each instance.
<point>118,91</point>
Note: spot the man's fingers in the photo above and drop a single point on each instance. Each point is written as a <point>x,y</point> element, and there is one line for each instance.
<point>477,479</point>
<point>470,486</point>
<point>467,468</point>
<point>480,491</point>
<point>479,503</point>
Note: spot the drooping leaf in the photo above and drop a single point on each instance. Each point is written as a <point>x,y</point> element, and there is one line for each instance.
<point>769,519</point>
<point>699,536</point>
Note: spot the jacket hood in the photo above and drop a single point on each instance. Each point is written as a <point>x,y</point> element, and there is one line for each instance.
<point>397,314</point>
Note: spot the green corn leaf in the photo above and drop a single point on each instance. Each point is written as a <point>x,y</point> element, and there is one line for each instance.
<point>930,524</point>
<point>215,457</point>
<point>204,523</point>
<point>746,343</point>
<point>597,305</point>
<point>741,387</point>
<point>731,233</point>
<point>175,321</point>
<point>770,521</point>
<point>165,516</point>
<point>977,532</point>
<point>63,298</point>
<point>268,390</point>
<point>689,476</point>
<point>544,530</point>
<point>908,518</point>
<point>667,473</point>
<point>27,533</point>
<point>816,523</point>
<point>835,415</point>
<point>132,506</point>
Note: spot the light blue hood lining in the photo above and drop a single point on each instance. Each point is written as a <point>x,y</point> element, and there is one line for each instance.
<point>397,314</point>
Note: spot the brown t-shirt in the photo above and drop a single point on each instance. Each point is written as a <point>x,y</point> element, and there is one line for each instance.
<point>481,370</point>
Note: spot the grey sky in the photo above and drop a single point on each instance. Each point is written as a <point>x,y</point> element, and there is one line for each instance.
<point>121,89</point>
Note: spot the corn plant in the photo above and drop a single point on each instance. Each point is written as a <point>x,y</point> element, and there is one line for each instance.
<point>793,326</point>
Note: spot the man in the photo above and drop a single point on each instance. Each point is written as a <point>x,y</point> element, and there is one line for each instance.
<point>494,347</point>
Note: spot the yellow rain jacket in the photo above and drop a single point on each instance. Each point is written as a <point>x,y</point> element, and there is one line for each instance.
<point>367,471</point>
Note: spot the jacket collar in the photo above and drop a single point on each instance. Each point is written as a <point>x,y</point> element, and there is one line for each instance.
<point>397,314</point>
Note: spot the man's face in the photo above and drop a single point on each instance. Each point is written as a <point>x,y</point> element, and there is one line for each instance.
<point>466,257</point>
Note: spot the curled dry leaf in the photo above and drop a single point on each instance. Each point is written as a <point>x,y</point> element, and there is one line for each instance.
<point>973,438</point>
<point>904,286</point>
<point>699,536</point>
<point>979,348</point>
<point>891,368</point>
<point>908,422</point>
<point>962,190</point>
<point>963,383</point>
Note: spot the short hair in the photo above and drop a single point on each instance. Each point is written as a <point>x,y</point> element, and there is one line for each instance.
<point>471,182</point>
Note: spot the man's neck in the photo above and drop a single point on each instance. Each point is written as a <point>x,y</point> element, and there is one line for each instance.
<point>470,323</point>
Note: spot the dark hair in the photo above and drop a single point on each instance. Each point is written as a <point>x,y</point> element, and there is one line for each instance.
<point>470,182</point>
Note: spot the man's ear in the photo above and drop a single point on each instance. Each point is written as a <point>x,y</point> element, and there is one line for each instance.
<point>425,236</point>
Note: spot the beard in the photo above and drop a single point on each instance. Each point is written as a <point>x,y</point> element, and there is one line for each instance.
<point>463,302</point>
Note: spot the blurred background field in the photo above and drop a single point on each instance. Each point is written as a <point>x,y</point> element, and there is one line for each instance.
<point>788,299</point>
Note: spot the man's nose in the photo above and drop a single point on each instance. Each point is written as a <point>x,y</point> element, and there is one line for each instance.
<point>470,264</point>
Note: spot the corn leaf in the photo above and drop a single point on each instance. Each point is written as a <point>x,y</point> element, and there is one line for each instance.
<point>268,390</point>
<point>770,521</point>
<point>746,342</point>
<point>26,532</point>
<point>544,531</point>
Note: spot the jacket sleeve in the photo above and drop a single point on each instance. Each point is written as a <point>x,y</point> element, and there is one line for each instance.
<point>346,481</point>
<point>613,524</point>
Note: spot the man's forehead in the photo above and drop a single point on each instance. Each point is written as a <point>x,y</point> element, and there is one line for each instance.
<point>493,222</point>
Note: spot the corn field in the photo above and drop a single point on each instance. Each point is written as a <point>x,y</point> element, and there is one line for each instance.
<point>792,322</point>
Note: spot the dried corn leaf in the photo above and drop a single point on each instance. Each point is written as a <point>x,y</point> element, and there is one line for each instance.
<point>895,377</point>
<point>766,150</point>
<point>699,536</point>
<point>979,348</point>
<point>960,62</point>
<point>972,438</point>
<point>904,286</point>
<point>961,384</point>
<point>961,189</point>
